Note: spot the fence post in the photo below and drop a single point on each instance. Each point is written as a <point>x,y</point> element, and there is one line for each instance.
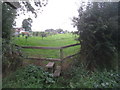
<point>61,57</point>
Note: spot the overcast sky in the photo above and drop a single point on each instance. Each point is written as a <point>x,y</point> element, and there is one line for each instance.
<point>57,14</point>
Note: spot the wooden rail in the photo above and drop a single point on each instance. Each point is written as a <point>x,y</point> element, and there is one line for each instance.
<point>70,56</point>
<point>36,47</point>
<point>46,59</point>
<point>70,45</point>
<point>51,59</point>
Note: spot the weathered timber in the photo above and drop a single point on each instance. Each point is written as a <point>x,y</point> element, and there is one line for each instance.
<point>61,54</point>
<point>38,47</point>
<point>61,57</point>
<point>70,56</point>
<point>57,71</point>
<point>50,59</point>
<point>35,47</point>
<point>47,59</point>
<point>70,45</point>
<point>50,65</point>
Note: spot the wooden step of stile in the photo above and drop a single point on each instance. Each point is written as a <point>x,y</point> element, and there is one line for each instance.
<point>57,71</point>
<point>50,67</point>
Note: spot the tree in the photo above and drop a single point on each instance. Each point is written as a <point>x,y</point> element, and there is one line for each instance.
<point>98,34</point>
<point>43,34</point>
<point>8,22</point>
<point>10,53</point>
<point>7,10</point>
<point>59,30</point>
<point>26,24</point>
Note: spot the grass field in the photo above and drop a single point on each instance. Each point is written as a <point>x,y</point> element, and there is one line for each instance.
<point>49,41</point>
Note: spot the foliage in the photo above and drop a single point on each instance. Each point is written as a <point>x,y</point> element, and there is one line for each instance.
<point>33,7</point>
<point>35,77</point>
<point>29,77</point>
<point>98,30</point>
<point>59,30</point>
<point>26,24</point>
<point>80,77</point>
<point>83,79</point>
<point>8,22</point>
<point>43,34</point>
<point>11,59</point>
<point>32,76</point>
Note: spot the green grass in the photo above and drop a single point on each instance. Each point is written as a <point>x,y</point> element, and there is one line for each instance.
<point>50,41</point>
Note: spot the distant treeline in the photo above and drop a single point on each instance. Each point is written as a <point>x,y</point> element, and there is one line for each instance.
<point>49,32</point>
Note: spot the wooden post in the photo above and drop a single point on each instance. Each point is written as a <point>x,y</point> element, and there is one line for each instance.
<point>61,57</point>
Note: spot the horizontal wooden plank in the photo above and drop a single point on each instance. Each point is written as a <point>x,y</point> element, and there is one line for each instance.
<point>38,47</point>
<point>50,65</point>
<point>47,59</point>
<point>35,47</point>
<point>70,56</point>
<point>70,45</point>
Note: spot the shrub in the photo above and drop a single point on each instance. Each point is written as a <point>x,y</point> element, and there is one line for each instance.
<point>29,77</point>
<point>98,33</point>
<point>83,79</point>
<point>11,59</point>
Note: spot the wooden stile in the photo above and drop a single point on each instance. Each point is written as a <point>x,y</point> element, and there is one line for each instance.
<point>50,66</point>
<point>70,45</point>
<point>47,59</point>
<point>35,47</point>
<point>57,71</point>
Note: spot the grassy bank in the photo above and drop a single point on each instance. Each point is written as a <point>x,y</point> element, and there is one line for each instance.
<point>49,41</point>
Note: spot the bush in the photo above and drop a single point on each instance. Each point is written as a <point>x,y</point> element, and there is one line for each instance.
<point>29,77</point>
<point>11,59</point>
<point>98,34</point>
<point>83,79</point>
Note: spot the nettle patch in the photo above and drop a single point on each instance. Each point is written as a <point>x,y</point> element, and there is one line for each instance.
<point>105,79</point>
<point>29,77</point>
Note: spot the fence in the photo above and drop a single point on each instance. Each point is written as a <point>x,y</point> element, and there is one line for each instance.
<point>56,48</point>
